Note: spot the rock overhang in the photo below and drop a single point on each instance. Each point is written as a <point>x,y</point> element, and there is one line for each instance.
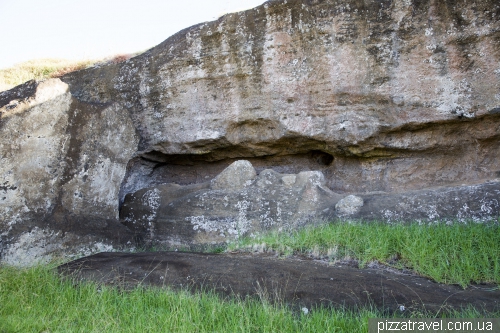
<point>390,96</point>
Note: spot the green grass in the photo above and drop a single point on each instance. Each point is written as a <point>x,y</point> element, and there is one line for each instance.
<point>454,254</point>
<point>37,300</point>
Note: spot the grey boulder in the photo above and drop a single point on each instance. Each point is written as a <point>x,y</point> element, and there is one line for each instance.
<point>236,203</point>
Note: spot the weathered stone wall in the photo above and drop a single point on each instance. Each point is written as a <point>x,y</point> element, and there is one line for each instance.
<point>61,165</point>
<point>403,94</point>
<point>386,96</point>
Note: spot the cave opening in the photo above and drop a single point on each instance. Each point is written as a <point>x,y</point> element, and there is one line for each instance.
<point>155,168</point>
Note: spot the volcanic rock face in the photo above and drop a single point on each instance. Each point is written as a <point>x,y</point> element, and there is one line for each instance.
<point>236,203</point>
<point>61,165</point>
<point>379,96</point>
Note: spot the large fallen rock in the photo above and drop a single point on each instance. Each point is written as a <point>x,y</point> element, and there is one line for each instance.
<point>235,203</point>
<point>379,96</point>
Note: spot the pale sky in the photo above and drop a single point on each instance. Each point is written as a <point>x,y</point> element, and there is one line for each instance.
<point>90,29</point>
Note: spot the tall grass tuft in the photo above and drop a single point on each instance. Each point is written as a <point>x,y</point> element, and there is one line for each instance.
<point>460,253</point>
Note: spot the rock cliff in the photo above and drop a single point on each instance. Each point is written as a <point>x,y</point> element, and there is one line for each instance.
<point>385,99</point>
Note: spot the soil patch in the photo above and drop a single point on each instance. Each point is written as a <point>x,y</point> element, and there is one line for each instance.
<point>294,281</point>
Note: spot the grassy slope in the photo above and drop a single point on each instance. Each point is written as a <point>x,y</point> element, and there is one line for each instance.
<point>37,300</point>
<point>41,69</point>
<point>456,254</point>
<point>38,70</point>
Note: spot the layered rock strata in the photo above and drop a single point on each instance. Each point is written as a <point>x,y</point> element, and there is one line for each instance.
<point>380,96</point>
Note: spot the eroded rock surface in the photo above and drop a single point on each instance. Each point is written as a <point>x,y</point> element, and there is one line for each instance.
<point>475,202</point>
<point>290,281</point>
<point>349,205</point>
<point>61,165</point>
<point>379,96</point>
<point>400,94</point>
<point>235,203</point>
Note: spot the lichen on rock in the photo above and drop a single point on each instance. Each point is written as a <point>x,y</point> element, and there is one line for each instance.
<point>209,213</point>
<point>349,205</point>
<point>395,102</point>
<point>238,175</point>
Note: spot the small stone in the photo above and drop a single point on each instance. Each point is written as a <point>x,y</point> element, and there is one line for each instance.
<point>349,205</point>
<point>236,176</point>
<point>288,180</point>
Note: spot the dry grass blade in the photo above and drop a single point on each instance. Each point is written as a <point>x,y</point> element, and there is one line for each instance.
<point>41,69</point>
